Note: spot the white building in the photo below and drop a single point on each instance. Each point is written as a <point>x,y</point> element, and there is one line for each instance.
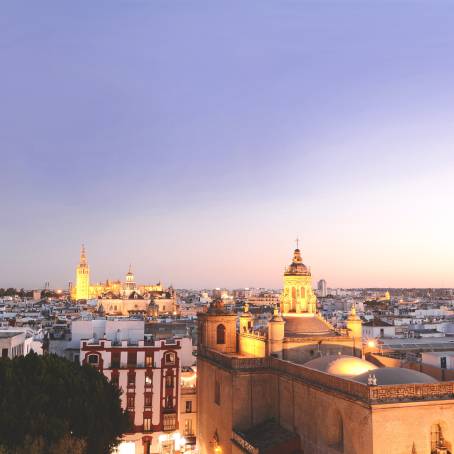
<point>445,360</point>
<point>149,374</point>
<point>378,328</point>
<point>18,342</point>
<point>321,288</point>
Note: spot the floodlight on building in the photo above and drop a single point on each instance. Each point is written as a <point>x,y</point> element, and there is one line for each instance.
<point>126,447</point>
<point>371,343</point>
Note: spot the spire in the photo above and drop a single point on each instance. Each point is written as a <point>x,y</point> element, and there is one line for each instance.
<point>83,257</point>
<point>297,242</point>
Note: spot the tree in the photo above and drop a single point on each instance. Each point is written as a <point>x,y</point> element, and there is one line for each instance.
<point>10,291</point>
<point>49,404</point>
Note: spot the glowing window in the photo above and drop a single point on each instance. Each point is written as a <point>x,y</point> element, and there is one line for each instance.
<point>146,424</point>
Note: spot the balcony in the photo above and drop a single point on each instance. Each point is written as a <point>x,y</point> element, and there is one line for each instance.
<point>188,390</point>
<point>170,421</point>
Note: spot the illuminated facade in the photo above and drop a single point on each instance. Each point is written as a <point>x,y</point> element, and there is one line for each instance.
<point>297,295</point>
<point>83,290</point>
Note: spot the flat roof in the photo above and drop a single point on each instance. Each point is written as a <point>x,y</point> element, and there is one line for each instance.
<point>9,334</point>
<point>447,353</point>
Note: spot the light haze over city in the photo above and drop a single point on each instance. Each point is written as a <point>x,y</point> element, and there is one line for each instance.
<point>195,141</point>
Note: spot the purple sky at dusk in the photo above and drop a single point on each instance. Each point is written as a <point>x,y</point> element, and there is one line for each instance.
<point>196,139</point>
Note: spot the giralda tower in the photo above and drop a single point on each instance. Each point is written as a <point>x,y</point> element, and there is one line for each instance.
<point>82,277</point>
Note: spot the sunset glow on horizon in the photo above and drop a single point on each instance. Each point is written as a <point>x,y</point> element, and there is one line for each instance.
<point>199,157</point>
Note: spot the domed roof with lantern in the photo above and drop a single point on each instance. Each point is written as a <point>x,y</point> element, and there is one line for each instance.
<point>297,267</point>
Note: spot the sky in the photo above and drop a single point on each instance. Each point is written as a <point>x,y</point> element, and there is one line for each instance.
<point>195,140</point>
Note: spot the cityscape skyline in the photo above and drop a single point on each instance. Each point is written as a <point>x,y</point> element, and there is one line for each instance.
<point>196,141</point>
<point>227,227</point>
<point>141,276</point>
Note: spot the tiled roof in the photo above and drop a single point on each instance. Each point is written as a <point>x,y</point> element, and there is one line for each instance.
<point>305,325</point>
<point>376,322</point>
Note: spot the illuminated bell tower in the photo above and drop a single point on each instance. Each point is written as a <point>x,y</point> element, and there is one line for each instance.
<point>297,296</point>
<point>82,277</point>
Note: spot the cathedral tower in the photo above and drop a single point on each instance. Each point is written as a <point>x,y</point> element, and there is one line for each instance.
<point>297,296</point>
<point>82,277</point>
<point>130,284</point>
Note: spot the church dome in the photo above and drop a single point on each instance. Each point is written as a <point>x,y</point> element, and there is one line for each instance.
<point>396,376</point>
<point>305,325</point>
<point>297,267</point>
<point>342,365</point>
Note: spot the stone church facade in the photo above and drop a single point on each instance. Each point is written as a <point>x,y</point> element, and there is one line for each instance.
<point>302,387</point>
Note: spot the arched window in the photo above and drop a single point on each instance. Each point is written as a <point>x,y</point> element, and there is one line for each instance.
<point>220,334</point>
<point>93,359</point>
<point>335,437</point>
<point>169,358</point>
<point>340,442</point>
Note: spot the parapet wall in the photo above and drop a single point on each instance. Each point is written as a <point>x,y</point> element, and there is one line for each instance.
<point>368,394</point>
<point>435,372</point>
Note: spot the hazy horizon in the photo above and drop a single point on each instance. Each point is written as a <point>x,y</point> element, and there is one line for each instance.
<point>195,140</point>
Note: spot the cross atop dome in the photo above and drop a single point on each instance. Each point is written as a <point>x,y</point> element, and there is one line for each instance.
<point>297,266</point>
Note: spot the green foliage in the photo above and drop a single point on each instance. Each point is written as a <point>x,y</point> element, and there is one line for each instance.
<point>66,444</point>
<point>49,404</point>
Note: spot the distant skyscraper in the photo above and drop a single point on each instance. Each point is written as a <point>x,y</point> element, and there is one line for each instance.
<point>322,288</point>
<point>82,277</point>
